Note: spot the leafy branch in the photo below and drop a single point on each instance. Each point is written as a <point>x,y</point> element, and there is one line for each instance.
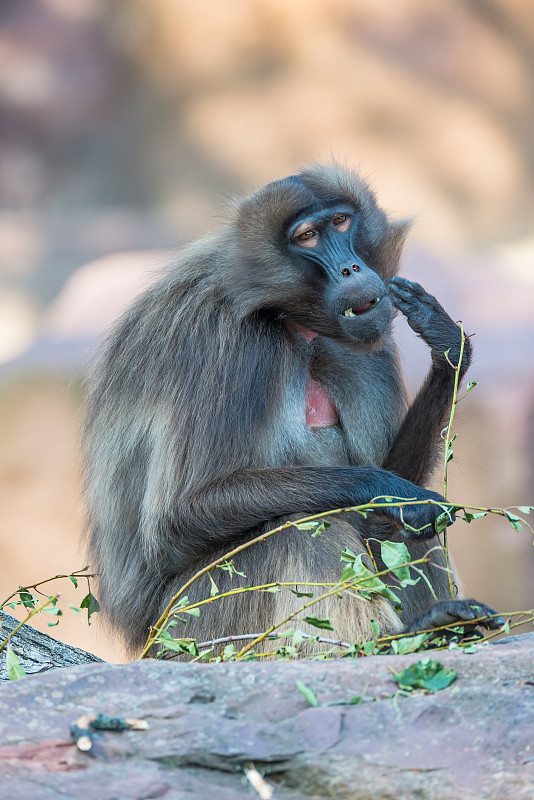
<point>301,524</point>
<point>50,601</point>
<point>355,579</point>
<point>29,597</point>
<point>449,438</point>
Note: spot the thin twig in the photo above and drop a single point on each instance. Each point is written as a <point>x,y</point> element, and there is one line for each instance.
<point>371,506</point>
<point>77,574</point>
<point>28,616</point>
<point>447,446</point>
<point>282,635</point>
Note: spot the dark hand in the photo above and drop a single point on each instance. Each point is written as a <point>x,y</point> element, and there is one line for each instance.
<point>418,519</point>
<point>427,318</point>
<point>446,612</point>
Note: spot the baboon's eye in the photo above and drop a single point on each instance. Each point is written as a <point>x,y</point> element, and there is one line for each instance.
<point>306,235</point>
<point>341,222</point>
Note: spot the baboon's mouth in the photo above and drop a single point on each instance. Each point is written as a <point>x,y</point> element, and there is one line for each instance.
<point>355,311</point>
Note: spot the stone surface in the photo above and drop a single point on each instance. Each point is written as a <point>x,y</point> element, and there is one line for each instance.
<point>36,651</point>
<point>207,722</point>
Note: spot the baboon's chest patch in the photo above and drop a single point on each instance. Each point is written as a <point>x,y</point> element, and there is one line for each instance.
<point>321,411</point>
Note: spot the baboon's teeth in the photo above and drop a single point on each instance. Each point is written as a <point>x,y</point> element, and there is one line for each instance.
<point>361,309</point>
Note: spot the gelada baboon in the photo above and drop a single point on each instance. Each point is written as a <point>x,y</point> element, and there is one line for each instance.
<point>258,380</point>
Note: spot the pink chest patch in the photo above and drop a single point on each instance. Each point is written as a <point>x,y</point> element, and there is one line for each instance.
<point>321,411</point>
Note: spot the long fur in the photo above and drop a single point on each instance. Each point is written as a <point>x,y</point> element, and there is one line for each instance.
<point>195,436</point>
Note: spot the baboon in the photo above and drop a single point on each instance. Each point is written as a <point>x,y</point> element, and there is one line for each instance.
<point>257,380</point>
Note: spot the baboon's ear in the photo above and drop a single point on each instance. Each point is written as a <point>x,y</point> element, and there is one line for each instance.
<point>389,253</point>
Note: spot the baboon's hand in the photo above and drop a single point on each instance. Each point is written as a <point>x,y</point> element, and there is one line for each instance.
<point>427,318</point>
<point>446,612</point>
<point>418,519</point>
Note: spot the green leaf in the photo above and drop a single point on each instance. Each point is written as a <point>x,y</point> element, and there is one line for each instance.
<point>323,526</point>
<point>471,385</point>
<point>15,669</point>
<point>375,627</point>
<point>298,637</point>
<point>194,612</point>
<point>514,521</point>
<point>525,509</point>
<point>396,556</point>
<point>348,555</point>
<point>74,580</point>
<point>308,693</point>
<point>408,644</point>
<point>468,517</point>
<point>229,566</point>
<point>228,652</point>
<point>325,624</point>
<point>369,582</point>
<point>287,651</point>
<point>300,594</point>
<point>347,575</point>
<point>287,633</point>
<point>57,612</point>
<point>442,522</point>
<point>307,526</point>
<point>354,701</point>
<point>175,620</point>
<point>91,604</point>
<point>449,455</point>
<point>188,646</point>
<point>470,648</point>
<point>213,588</point>
<point>425,674</point>
<point>27,599</point>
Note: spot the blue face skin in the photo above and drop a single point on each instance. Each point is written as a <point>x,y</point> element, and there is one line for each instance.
<point>327,238</point>
<point>355,295</point>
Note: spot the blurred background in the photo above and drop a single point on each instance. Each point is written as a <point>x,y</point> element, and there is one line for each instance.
<point>126,127</point>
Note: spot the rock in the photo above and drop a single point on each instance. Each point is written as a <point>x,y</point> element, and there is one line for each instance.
<point>208,722</point>
<point>36,651</point>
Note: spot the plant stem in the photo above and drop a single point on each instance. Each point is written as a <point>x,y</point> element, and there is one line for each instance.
<point>28,616</point>
<point>79,573</point>
<point>447,448</point>
<point>453,409</point>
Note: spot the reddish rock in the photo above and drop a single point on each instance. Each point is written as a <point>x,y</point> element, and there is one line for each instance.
<point>207,722</point>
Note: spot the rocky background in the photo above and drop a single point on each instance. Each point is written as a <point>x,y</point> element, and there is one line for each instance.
<point>126,128</point>
<point>207,727</point>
